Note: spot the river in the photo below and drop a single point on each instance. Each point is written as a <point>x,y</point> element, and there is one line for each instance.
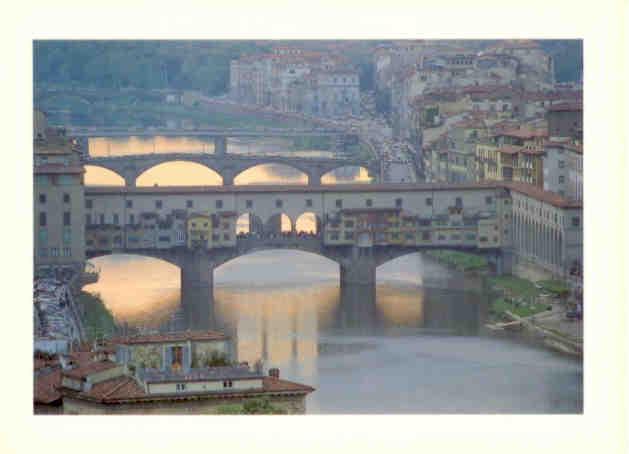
<point>416,346</point>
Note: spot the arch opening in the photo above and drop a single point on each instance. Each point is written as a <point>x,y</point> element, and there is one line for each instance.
<point>249,224</point>
<point>347,175</point>
<point>102,176</point>
<point>179,173</point>
<point>271,173</point>
<point>308,223</point>
<point>278,224</point>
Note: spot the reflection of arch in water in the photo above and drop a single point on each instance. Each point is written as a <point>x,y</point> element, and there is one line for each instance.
<point>308,222</point>
<point>179,173</point>
<point>137,289</point>
<point>249,223</point>
<point>346,174</point>
<point>278,223</point>
<point>271,174</point>
<point>102,176</point>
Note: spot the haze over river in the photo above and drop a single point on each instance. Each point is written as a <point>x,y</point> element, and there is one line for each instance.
<point>414,347</point>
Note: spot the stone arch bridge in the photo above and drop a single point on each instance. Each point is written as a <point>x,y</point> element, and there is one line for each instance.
<point>130,167</point>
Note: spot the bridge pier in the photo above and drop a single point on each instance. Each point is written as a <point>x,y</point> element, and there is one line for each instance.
<point>197,296</point>
<point>220,146</point>
<point>359,268</point>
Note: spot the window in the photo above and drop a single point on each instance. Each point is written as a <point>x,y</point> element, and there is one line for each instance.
<point>488,200</point>
<point>349,235</point>
<point>131,219</point>
<point>116,219</point>
<point>43,236</point>
<point>102,219</point>
<point>339,203</point>
<point>42,198</point>
<point>349,224</point>
<point>308,202</point>
<point>425,236</point>
<point>495,239</point>
<point>43,252</point>
<point>158,204</point>
<point>561,164</point>
<point>165,239</point>
<point>334,236</point>
<point>576,222</point>
<point>176,361</point>
<point>408,236</point>
<point>181,386</point>
<point>398,203</point>
<point>88,219</point>
<point>42,219</point>
<point>226,236</point>
<point>66,198</point>
<point>428,201</point>
<point>67,252</point>
<point>368,202</point>
<point>189,203</point>
<point>561,179</point>
<point>249,203</point>
<point>67,236</point>
<point>458,202</point>
<point>88,203</point>
<point>215,237</point>
<point>219,204</point>
<point>278,203</point>
<point>227,384</point>
<point>129,203</point>
<point>54,252</point>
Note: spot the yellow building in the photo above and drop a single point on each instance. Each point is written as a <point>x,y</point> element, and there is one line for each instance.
<point>199,228</point>
<point>510,163</point>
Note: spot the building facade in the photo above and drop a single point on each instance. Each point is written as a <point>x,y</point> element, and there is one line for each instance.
<point>58,198</point>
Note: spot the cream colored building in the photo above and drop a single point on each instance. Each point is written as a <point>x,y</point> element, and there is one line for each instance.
<point>58,198</point>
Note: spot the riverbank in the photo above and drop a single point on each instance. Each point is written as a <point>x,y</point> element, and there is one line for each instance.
<point>97,320</point>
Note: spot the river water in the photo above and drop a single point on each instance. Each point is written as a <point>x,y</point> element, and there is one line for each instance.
<point>416,346</point>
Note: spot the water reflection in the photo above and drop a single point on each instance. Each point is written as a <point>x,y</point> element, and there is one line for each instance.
<point>287,308</point>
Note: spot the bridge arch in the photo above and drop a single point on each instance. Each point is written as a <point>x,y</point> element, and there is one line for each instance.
<point>346,174</point>
<point>272,172</point>
<point>243,253</point>
<point>162,255</point>
<point>187,172</point>
<point>97,175</point>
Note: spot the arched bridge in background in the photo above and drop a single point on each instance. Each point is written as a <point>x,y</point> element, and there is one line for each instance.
<point>228,166</point>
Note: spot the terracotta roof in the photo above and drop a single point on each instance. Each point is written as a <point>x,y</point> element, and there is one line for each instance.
<point>45,391</point>
<point>544,196</point>
<point>566,107</point>
<point>522,133</point>
<point>87,368</point>
<point>566,145</point>
<point>510,149</point>
<point>179,336</point>
<point>126,389</point>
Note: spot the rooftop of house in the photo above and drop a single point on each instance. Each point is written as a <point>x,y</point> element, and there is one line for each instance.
<point>541,195</point>
<point>178,336</point>
<point>126,389</point>
<point>86,368</point>
<point>45,387</point>
<point>566,107</point>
